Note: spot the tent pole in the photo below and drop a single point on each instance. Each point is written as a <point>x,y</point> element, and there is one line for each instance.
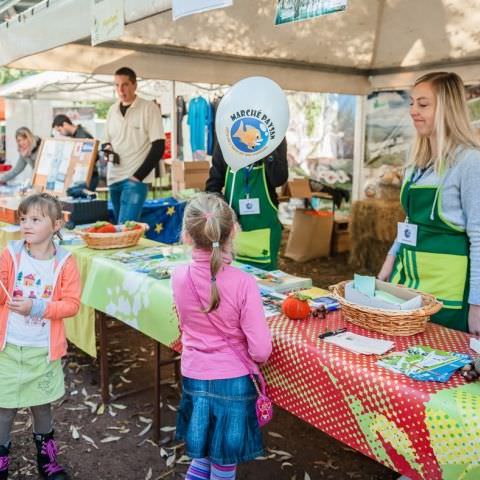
<point>173,137</point>
<point>359,147</point>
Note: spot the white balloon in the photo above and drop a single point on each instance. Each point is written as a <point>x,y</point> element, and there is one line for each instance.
<point>251,121</point>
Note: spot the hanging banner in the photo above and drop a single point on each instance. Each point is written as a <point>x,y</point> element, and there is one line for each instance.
<point>183,8</point>
<point>108,20</point>
<point>298,10</point>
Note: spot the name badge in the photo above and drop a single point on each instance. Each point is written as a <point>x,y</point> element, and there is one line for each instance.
<point>407,233</point>
<point>249,206</point>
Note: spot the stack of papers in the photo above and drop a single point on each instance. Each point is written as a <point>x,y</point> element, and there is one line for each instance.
<point>425,363</point>
<point>360,344</point>
<point>272,303</point>
<point>275,280</point>
<point>319,297</point>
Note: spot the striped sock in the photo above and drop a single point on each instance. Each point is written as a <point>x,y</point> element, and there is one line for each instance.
<point>199,469</point>
<point>223,472</point>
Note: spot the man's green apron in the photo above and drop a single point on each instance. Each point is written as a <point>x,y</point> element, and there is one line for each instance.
<point>439,263</point>
<point>259,241</point>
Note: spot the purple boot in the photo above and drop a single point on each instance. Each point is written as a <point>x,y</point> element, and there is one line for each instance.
<point>4,460</point>
<point>48,467</point>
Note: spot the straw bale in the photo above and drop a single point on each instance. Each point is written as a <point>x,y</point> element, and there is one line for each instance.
<point>373,229</point>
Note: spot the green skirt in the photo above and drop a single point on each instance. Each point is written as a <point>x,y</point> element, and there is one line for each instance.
<point>27,378</point>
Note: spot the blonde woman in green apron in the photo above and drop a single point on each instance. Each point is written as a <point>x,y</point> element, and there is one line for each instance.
<point>251,193</point>
<point>438,245</point>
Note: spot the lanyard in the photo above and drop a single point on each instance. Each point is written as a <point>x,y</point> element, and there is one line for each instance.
<point>246,188</point>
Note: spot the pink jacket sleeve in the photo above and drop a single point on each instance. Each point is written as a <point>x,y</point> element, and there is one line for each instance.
<point>254,324</point>
<point>70,288</point>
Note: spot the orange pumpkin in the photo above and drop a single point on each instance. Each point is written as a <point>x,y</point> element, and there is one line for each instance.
<point>296,307</point>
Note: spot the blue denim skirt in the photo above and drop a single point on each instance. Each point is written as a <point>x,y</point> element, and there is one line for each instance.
<point>217,419</point>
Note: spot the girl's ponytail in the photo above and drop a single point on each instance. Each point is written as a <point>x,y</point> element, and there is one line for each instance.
<point>212,231</point>
<point>209,222</point>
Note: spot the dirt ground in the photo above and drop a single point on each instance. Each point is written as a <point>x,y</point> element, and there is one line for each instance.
<point>114,442</point>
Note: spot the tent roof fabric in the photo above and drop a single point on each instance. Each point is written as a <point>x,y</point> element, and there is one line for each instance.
<point>373,44</point>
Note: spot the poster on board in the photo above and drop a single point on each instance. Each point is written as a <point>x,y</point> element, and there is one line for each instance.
<point>62,163</point>
<point>289,11</point>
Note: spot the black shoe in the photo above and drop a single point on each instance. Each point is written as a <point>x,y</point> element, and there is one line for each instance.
<point>4,460</point>
<point>48,467</point>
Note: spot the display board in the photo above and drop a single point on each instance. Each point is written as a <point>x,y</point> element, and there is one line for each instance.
<point>63,162</point>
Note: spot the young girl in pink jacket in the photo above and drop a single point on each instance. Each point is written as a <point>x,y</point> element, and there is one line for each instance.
<point>217,416</point>
<point>40,287</point>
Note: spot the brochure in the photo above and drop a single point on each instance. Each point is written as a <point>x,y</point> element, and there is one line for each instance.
<point>425,363</point>
<point>272,303</point>
<point>319,297</point>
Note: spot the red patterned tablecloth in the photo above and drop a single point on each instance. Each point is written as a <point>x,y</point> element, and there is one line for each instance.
<point>425,430</point>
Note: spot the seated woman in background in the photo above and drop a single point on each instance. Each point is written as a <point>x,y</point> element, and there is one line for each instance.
<point>28,145</point>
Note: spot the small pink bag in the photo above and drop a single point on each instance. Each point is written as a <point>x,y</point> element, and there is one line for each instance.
<point>263,405</point>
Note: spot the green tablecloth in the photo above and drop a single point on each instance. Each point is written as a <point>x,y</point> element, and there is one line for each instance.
<point>140,301</point>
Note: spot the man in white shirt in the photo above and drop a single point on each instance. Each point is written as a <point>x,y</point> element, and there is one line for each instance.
<point>134,132</point>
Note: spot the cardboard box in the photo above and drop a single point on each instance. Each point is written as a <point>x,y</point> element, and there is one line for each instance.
<point>310,235</point>
<point>341,237</point>
<point>412,299</point>
<point>189,174</point>
<point>298,188</point>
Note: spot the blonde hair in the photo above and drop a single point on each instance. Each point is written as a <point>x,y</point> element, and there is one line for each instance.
<point>46,203</point>
<point>209,222</point>
<point>452,123</point>
<point>25,132</point>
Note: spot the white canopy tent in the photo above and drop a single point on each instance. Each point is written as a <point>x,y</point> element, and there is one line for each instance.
<point>373,44</point>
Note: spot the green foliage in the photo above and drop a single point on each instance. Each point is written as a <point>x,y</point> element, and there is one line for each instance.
<point>313,109</point>
<point>8,75</point>
<point>474,107</point>
<point>101,109</point>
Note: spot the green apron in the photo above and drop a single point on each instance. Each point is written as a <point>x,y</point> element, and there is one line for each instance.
<point>259,241</point>
<point>439,263</point>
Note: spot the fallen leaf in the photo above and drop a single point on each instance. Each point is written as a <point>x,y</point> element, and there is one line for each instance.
<point>307,476</point>
<point>170,460</point>
<point>281,453</point>
<point>74,431</point>
<point>149,474</point>
<point>145,430</point>
<point>93,406</point>
<point>125,380</point>
<point>89,440</point>
<point>109,439</point>
<point>275,435</point>
<point>168,429</point>
<point>184,460</point>
<point>119,406</point>
<point>101,409</point>
<point>144,419</point>
<point>286,464</point>
<point>163,453</point>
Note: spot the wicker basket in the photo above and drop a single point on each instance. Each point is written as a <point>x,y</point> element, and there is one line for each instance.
<point>104,241</point>
<point>400,323</point>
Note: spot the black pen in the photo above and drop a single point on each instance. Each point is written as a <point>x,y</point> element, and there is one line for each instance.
<point>331,333</point>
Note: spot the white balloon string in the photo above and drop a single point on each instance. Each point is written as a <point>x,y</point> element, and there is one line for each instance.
<point>233,188</point>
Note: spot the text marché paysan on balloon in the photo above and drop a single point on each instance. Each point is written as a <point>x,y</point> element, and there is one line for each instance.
<point>250,131</point>
<point>258,114</point>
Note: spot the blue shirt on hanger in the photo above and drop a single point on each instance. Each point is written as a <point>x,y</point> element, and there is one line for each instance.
<point>199,120</point>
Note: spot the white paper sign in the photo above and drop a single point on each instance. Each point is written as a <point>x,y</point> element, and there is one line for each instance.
<point>108,22</point>
<point>183,8</point>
